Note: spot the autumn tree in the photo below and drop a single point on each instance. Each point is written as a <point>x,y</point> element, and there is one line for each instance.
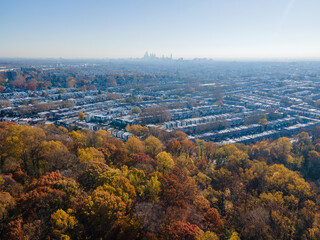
<point>56,184</point>
<point>153,146</point>
<point>164,162</point>
<point>24,143</point>
<point>143,162</point>
<point>187,147</point>
<point>136,110</point>
<point>207,236</point>
<point>138,130</point>
<point>234,236</point>
<point>7,204</point>
<point>14,230</point>
<point>303,144</point>
<point>173,147</point>
<point>101,137</point>
<point>90,154</point>
<point>79,139</point>
<point>213,221</point>
<point>115,151</point>
<point>56,156</point>
<point>178,189</point>
<point>94,174</point>
<point>155,114</point>
<point>81,116</point>
<point>102,214</point>
<point>152,189</point>
<point>289,182</point>
<point>210,150</point>
<point>105,211</point>
<point>181,135</point>
<point>134,145</point>
<point>180,230</point>
<point>49,193</point>
<point>61,223</point>
<point>281,150</point>
<point>138,178</point>
<point>232,158</point>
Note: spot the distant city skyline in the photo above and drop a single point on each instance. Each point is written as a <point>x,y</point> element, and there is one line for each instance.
<point>222,30</point>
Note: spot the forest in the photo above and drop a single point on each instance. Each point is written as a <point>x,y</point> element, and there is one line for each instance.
<point>57,183</point>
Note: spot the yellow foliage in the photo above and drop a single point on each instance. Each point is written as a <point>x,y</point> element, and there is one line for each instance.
<point>285,225</point>
<point>208,235</point>
<point>81,116</point>
<point>101,137</point>
<point>153,146</point>
<point>275,200</point>
<point>134,145</point>
<point>138,130</point>
<point>289,182</point>
<point>164,161</point>
<point>78,137</point>
<point>61,222</point>
<point>90,155</point>
<point>234,236</point>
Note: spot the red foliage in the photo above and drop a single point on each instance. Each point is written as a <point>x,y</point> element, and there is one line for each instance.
<point>18,83</point>
<point>178,189</point>
<point>114,152</point>
<point>142,158</point>
<point>180,231</point>
<point>173,146</point>
<point>14,230</point>
<point>31,86</point>
<point>49,179</point>
<point>213,221</point>
<point>202,164</point>
<point>42,196</point>
<point>143,161</point>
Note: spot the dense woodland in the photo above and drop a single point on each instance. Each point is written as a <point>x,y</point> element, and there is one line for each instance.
<point>60,184</point>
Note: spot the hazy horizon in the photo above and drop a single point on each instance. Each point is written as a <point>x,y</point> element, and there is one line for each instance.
<point>228,30</point>
<point>262,59</point>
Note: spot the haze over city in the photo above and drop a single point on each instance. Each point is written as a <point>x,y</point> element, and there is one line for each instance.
<point>248,29</point>
<point>160,120</point>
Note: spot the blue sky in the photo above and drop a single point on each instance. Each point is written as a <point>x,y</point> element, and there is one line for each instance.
<point>218,29</point>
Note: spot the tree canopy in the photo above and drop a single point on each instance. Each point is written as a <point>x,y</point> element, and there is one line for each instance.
<point>60,184</point>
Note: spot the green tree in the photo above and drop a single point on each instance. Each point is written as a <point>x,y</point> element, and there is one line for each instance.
<point>136,110</point>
